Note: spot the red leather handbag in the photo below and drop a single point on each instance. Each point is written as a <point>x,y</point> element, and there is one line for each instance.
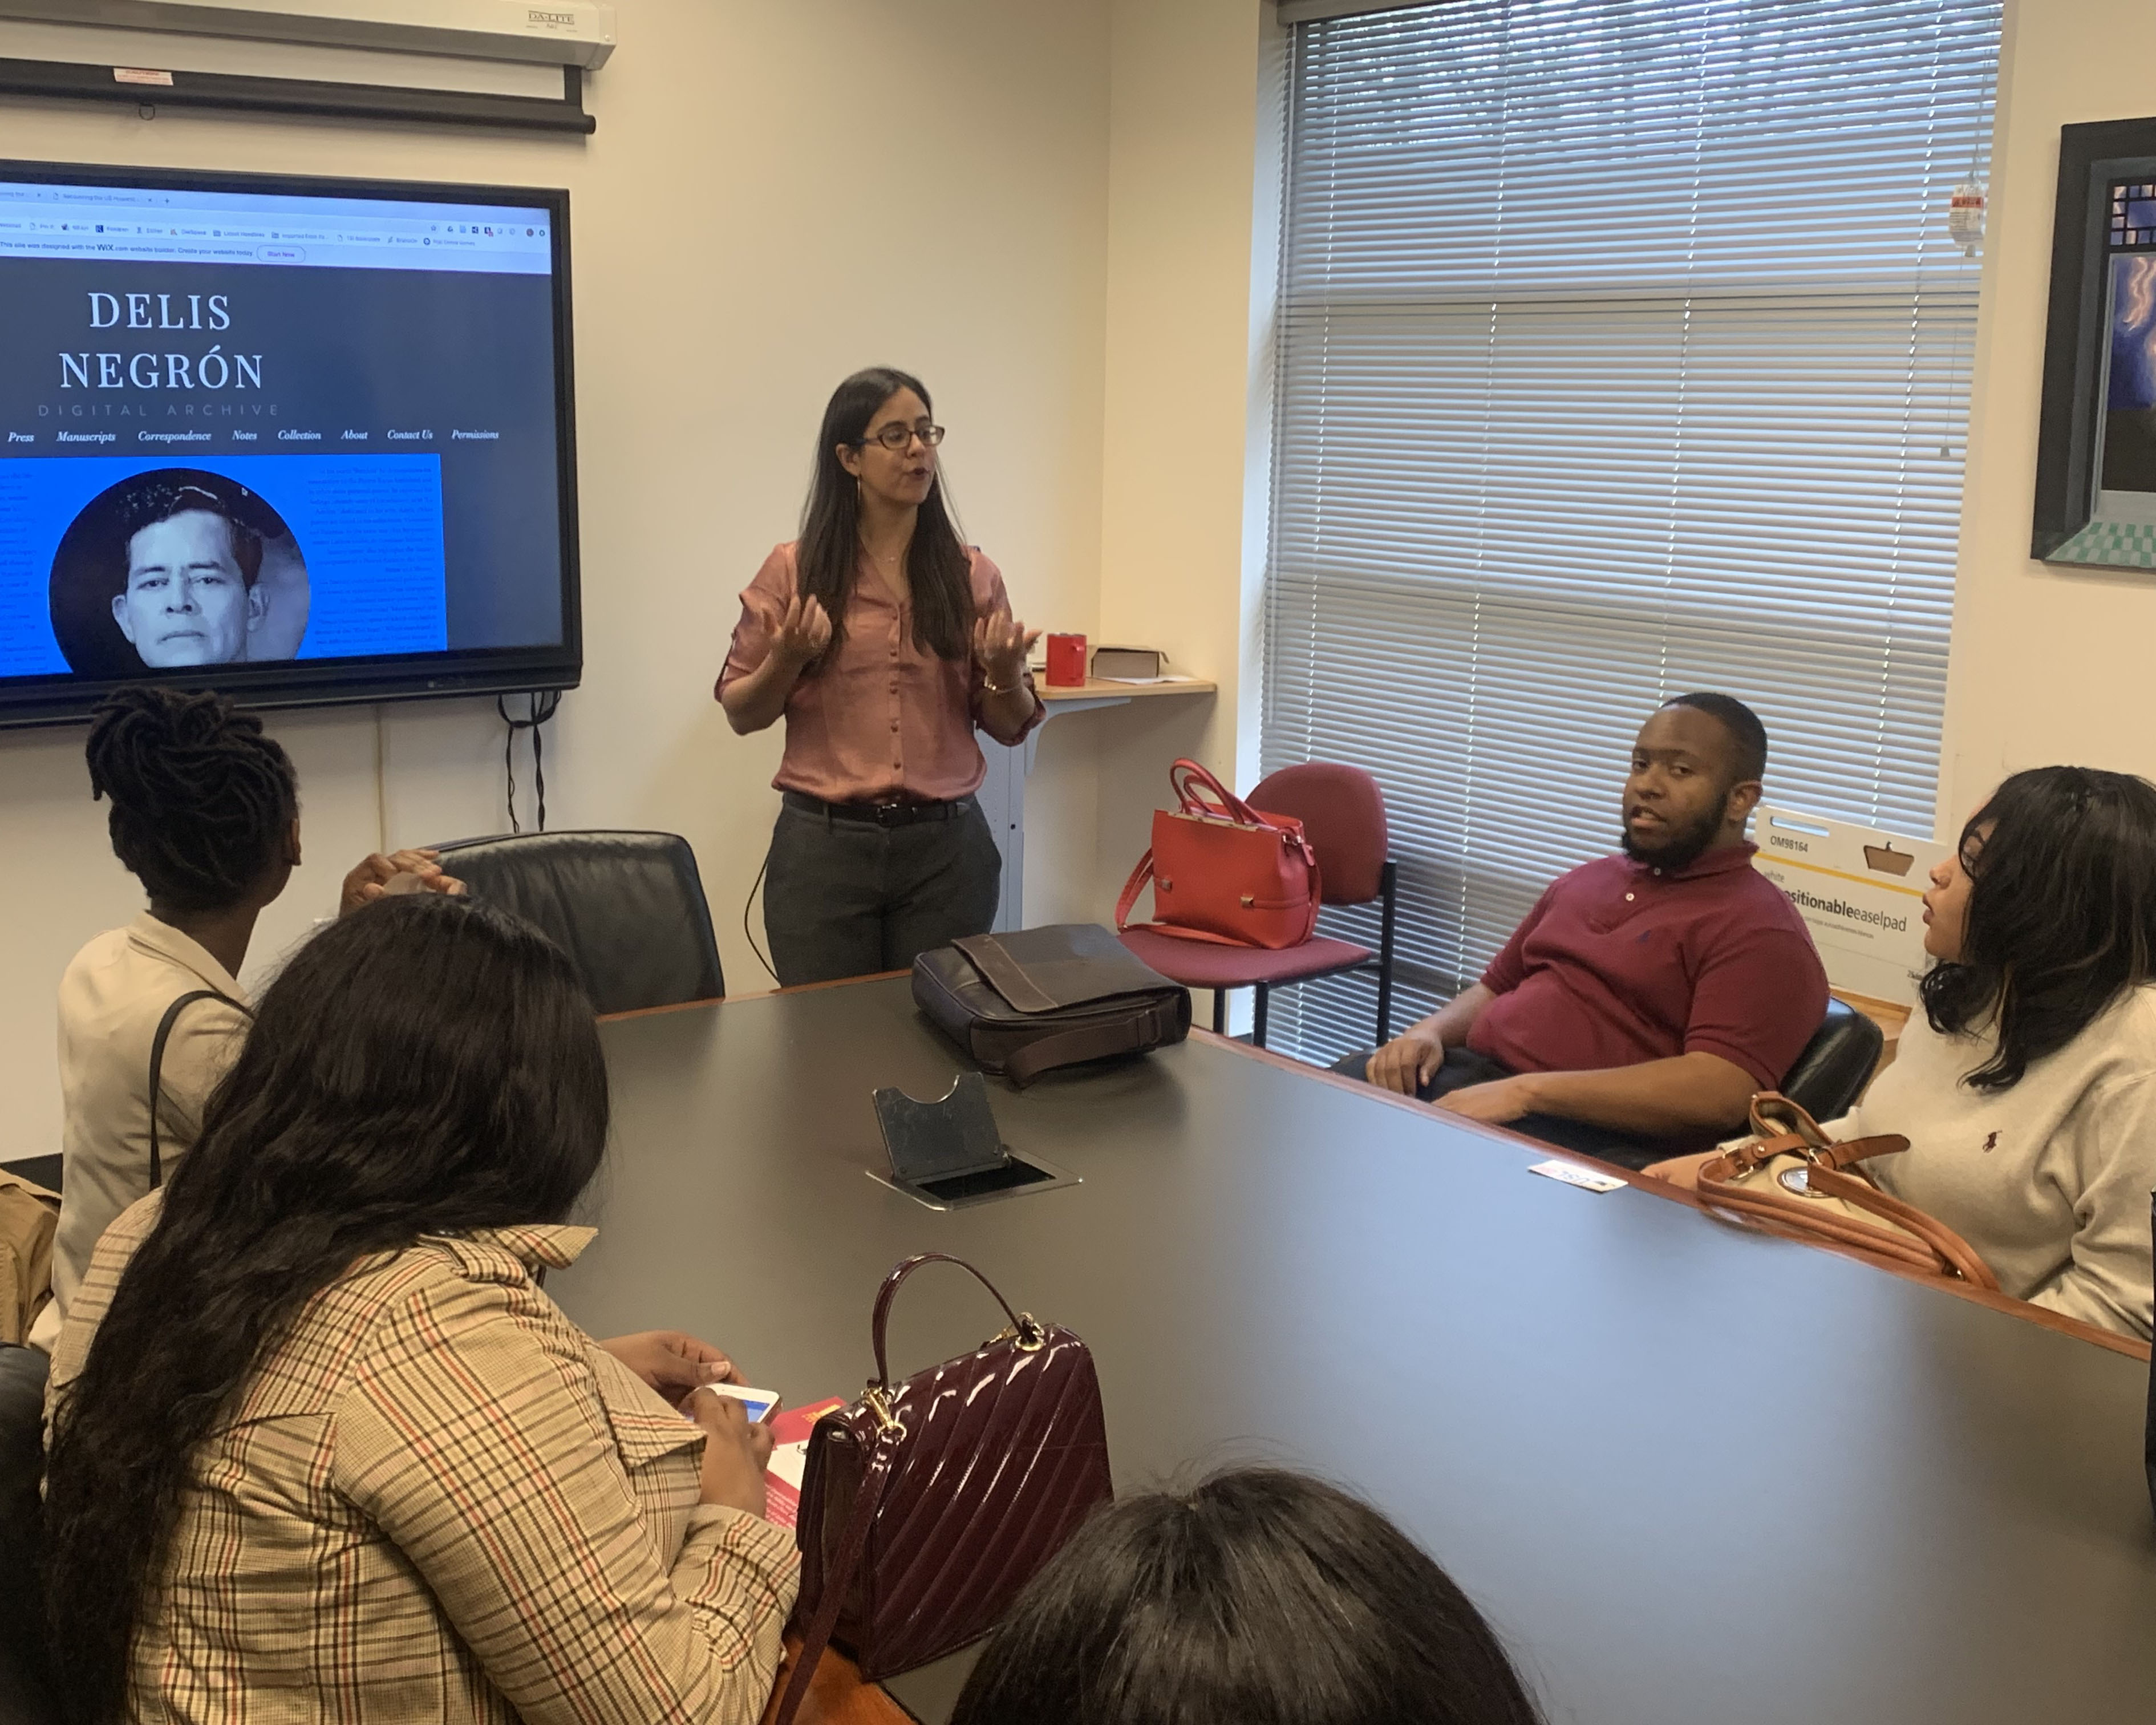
<point>927,1505</point>
<point>1222,871</point>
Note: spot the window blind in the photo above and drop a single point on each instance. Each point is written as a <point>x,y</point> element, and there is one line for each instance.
<point>1621,351</point>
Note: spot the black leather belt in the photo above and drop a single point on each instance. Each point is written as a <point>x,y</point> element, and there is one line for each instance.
<point>880,814</point>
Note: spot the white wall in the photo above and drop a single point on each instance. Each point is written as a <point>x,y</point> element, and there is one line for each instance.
<point>2049,664</point>
<point>779,191</point>
<point>1185,359</point>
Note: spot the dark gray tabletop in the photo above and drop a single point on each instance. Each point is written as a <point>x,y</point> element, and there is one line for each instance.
<point>1692,1475</point>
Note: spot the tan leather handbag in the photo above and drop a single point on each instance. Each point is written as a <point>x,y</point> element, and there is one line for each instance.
<point>1791,1179</point>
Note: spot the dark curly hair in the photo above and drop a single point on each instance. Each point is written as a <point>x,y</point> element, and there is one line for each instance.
<point>2062,914</point>
<point>201,799</point>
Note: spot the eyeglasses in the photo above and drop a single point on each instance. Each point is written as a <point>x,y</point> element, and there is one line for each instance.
<point>897,437</point>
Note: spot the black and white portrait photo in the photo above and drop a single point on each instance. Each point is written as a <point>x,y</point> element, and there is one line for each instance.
<point>174,568</point>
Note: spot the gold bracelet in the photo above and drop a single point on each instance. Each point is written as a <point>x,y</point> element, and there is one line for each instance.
<point>989,688</point>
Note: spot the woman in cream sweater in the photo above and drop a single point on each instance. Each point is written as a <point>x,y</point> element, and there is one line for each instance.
<point>2025,1083</point>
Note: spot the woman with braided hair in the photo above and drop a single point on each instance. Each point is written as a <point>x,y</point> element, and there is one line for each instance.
<point>206,815</point>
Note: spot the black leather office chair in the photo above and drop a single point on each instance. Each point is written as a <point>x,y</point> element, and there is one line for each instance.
<point>26,1690</point>
<point>628,908</point>
<point>1836,1064</point>
<point>38,1170</point>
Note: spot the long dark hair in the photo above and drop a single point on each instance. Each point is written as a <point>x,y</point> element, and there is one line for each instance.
<point>2062,914</point>
<point>1263,1598</point>
<point>426,1066</point>
<point>201,799</point>
<point>937,566</point>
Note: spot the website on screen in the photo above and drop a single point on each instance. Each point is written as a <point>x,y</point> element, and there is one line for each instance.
<point>240,427</point>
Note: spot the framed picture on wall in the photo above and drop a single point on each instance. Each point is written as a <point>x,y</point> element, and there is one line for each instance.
<point>2096,452</point>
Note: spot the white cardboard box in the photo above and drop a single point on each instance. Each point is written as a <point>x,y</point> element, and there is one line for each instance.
<point>1859,891</point>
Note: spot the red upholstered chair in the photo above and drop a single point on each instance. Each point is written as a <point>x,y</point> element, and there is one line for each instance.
<point>1342,814</point>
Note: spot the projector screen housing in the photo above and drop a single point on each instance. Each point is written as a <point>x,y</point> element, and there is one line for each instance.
<point>568,33</point>
<point>303,441</point>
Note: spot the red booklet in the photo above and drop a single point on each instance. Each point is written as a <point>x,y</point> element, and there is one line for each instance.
<point>789,1454</point>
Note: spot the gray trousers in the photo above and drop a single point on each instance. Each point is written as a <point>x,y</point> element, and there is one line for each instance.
<point>845,898</point>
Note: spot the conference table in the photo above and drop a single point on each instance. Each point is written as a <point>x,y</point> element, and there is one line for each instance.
<point>1691,1473</point>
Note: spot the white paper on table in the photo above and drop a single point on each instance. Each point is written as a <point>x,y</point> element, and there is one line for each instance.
<point>1166,677</point>
<point>789,1461</point>
<point>1572,1174</point>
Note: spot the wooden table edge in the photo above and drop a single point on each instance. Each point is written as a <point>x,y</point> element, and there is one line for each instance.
<point>837,1694</point>
<point>844,982</point>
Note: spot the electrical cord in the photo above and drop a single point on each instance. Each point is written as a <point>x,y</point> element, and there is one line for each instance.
<point>543,707</point>
<point>746,934</point>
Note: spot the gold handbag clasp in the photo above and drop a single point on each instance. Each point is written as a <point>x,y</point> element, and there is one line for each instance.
<point>1030,1335</point>
<point>877,1401</point>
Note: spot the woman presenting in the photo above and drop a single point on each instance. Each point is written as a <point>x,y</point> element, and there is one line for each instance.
<point>883,640</point>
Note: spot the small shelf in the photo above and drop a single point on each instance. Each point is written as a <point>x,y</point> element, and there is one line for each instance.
<point>1094,690</point>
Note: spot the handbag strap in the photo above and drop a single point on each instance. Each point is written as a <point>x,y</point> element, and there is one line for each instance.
<point>1793,1218</point>
<point>1130,1033</point>
<point>1742,1158</point>
<point>1187,777</point>
<point>1131,888</point>
<point>839,1578</point>
<point>157,1067</point>
<point>889,1290</point>
<point>1950,1246</point>
<point>1774,1115</point>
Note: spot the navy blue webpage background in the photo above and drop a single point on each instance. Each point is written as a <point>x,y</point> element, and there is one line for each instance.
<point>438,542</point>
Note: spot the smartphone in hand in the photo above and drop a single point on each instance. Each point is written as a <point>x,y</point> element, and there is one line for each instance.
<point>759,1404</point>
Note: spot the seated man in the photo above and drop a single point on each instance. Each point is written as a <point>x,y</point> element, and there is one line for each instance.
<point>1647,996</point>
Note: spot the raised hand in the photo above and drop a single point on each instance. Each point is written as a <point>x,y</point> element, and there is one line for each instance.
<point>378,876</point>
<point>1000,645</point>
<point>804,632</point>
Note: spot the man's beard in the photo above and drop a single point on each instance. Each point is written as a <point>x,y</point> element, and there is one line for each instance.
<point>1683,847</point>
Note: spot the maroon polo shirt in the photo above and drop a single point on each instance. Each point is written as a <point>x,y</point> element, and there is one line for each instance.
<point>1621,962</point>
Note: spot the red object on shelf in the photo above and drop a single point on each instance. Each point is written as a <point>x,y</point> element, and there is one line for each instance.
<point>1066,661</point>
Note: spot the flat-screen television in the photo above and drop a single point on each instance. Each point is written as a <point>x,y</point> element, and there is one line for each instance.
<point>300,440</point>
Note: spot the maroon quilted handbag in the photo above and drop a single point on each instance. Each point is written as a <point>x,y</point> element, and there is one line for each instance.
<point>926,1507</point>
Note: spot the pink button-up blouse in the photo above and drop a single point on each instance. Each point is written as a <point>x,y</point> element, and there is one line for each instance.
<point>882,721</point>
